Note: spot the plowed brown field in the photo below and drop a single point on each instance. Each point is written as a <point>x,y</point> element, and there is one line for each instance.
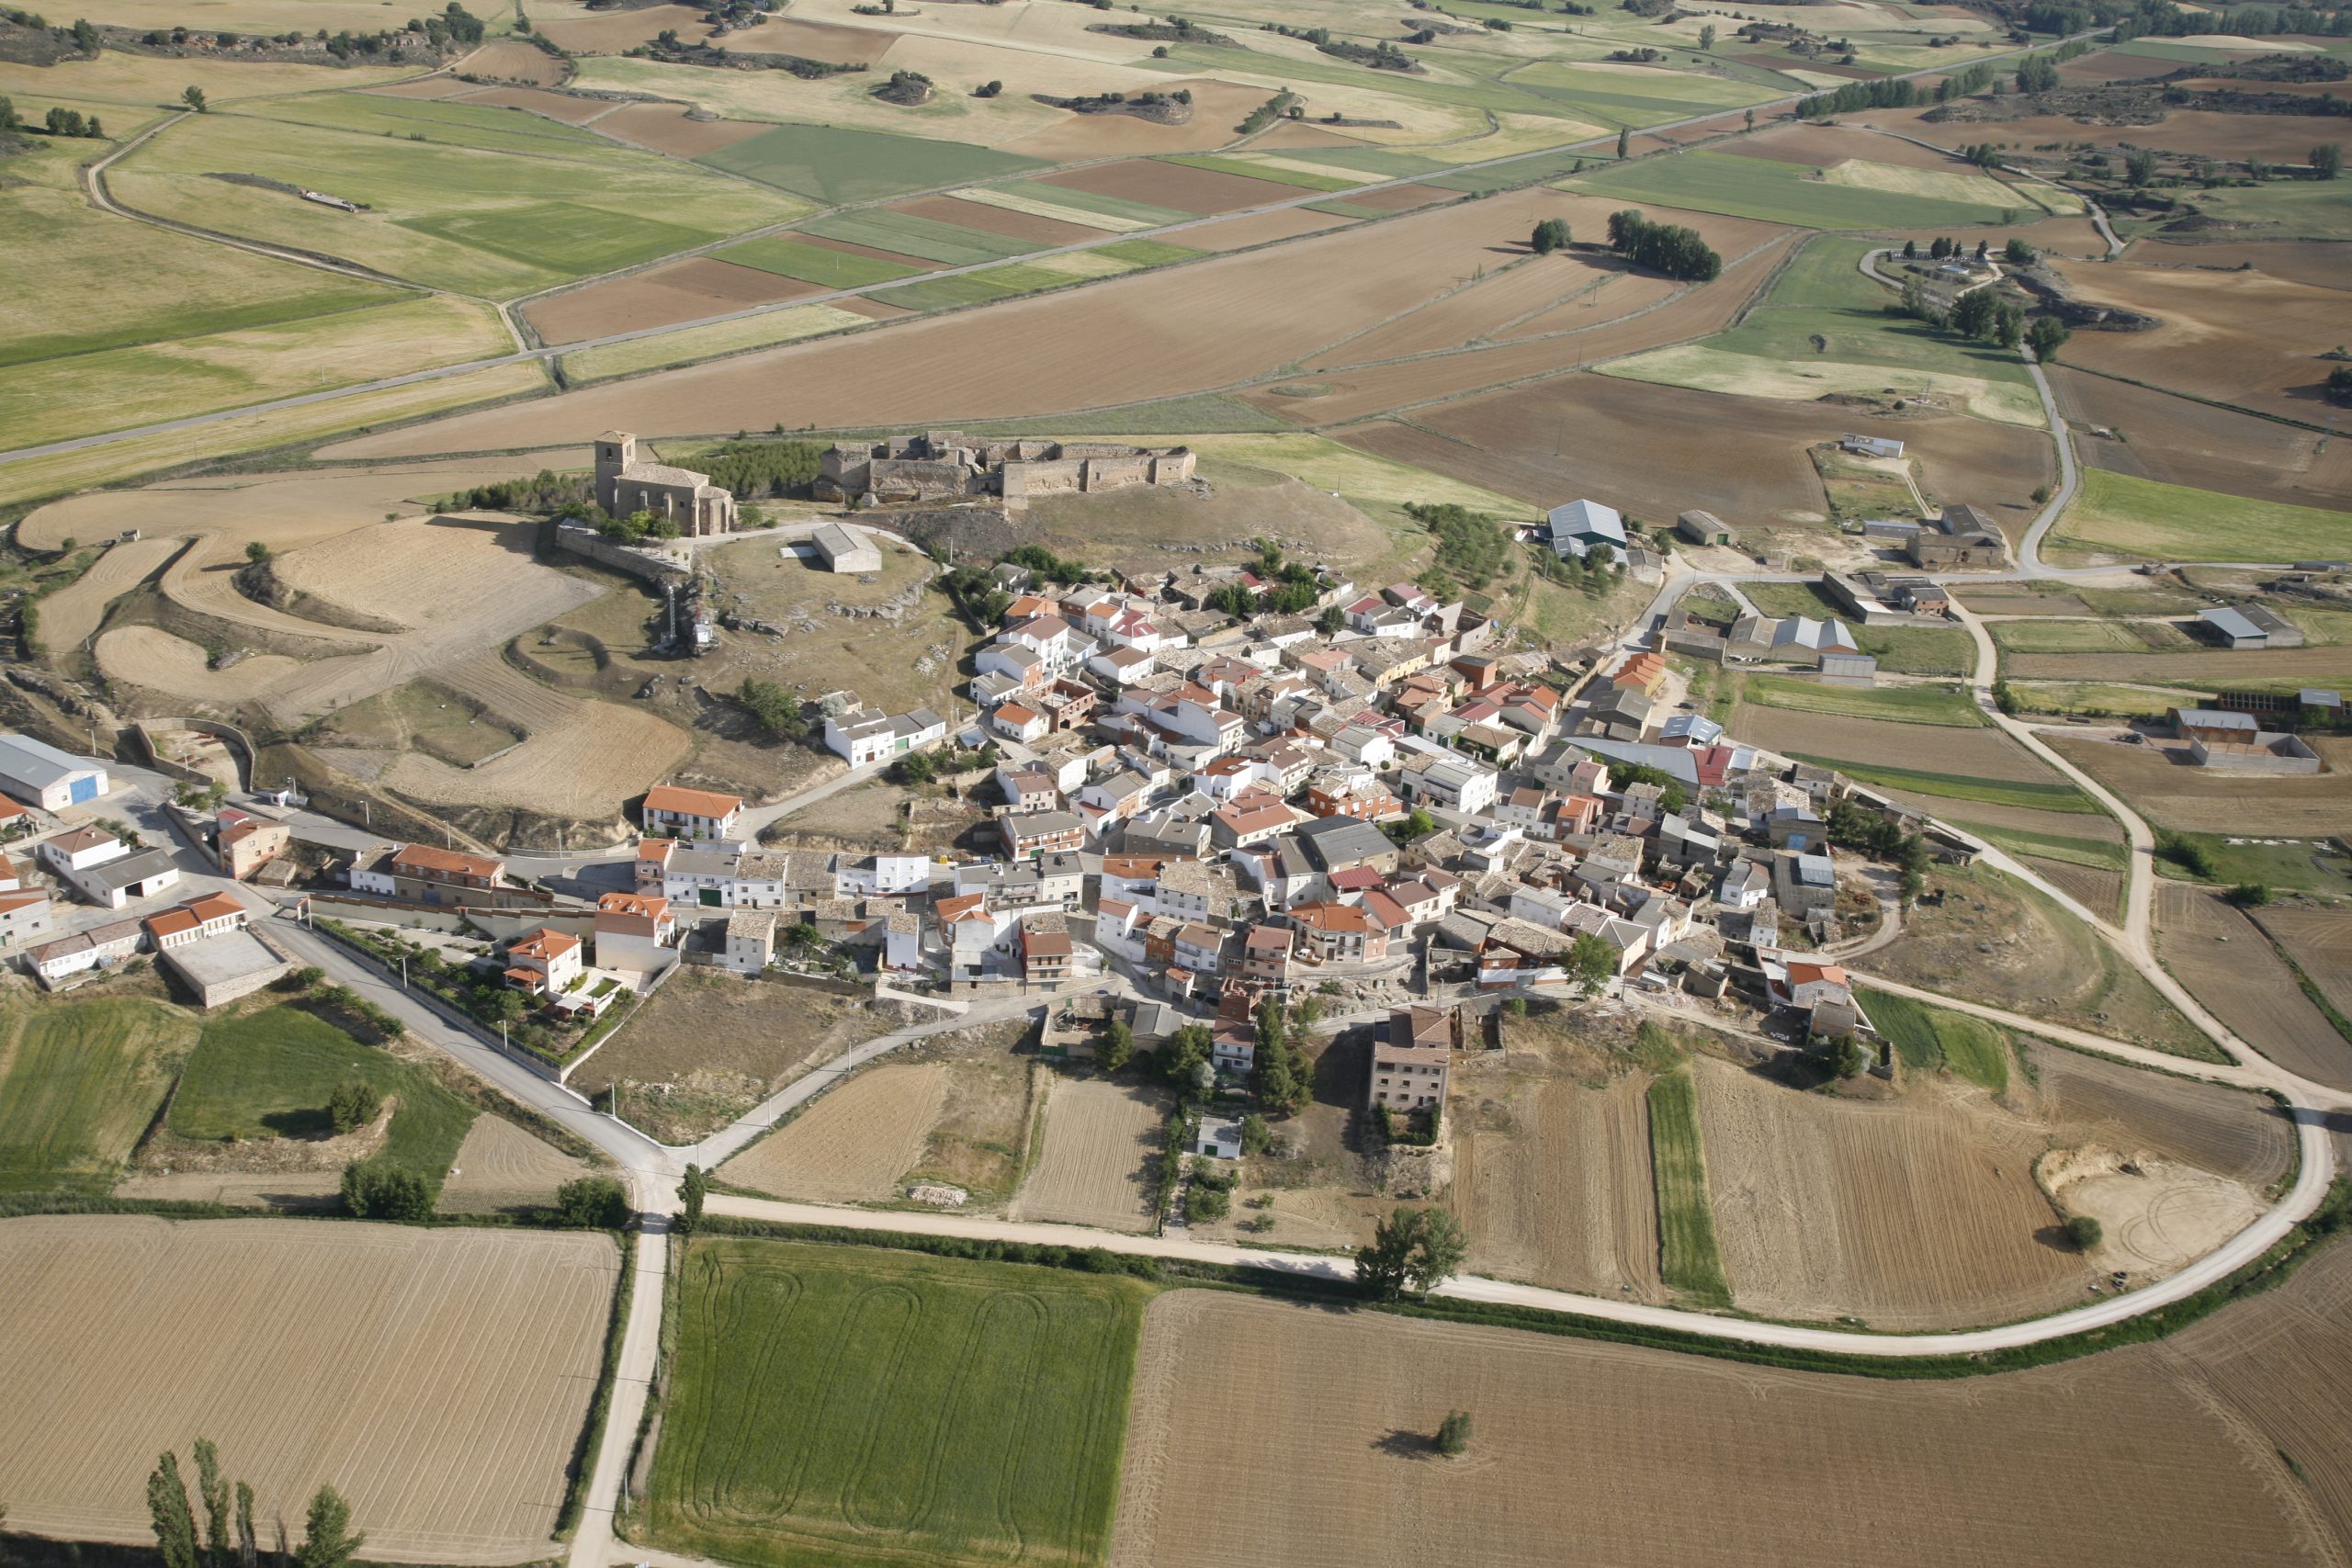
<point>1261,228</point>
<point>611,32</point>
<point>2174,441</point>
<point>2226,963</point>
<point>1553,1182</point>
<point>2092,1099</point>
<point>1976,753</point>
<point>1096,1165</point>
<point>2204,800</point>
<point>664,128</point>
<point>512,60</point>
<point>2325,264</point>
<point>680,291</point>
<point>854,1143</point>
<point>2247,341</point>
<point>437,1378</point>
<point>1585,1452</point>
<point>2319,665</point>
<point>2274,138</point>
<point>1915,1213</point>
<point>980,215</point>
<point>2320,941</point>
<point>1503,306</point>
<point>2099,890</point>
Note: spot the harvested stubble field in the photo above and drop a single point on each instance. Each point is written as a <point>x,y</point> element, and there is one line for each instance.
<point>676,291</point>
<point>664,128</point>
<point>2320,942</point>
<point>511,59</point>
<point>1041,355</point>
<point>1962,750</point>
<point>1552,1181</point>
<point>1097,1158</point>
<point>2208,669</point>
<point>501,1167</point>
<point>2097,890</point>
<point>2235,1135</point>
<point>2297,262</point>
<point>73,612</point>
<point>773,1032</point>
<point>1919,1212</point>
<point>846,1405</point>
<point>2228,965</point>
<point>852,1143</point>
<point>450,1435</point>
<point>2205,800</point>
<point>2006,944</point>
<point>1644,1457</point>
<point>2174,441</point>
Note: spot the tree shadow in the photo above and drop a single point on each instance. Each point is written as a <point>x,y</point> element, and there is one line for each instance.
<point>299,1123</point>
<point>1401,1444</point>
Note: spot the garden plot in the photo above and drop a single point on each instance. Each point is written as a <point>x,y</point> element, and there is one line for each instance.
<point>1648,1459</point>
<point>450,1437</point>
<point>1098,1163</point>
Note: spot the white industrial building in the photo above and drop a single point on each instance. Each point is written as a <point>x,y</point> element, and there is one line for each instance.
<point>844,549</point>
<point>39,775</point>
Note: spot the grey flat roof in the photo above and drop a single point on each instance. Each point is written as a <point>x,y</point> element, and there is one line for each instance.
<point>216,960</point>
<point>2233,623</point>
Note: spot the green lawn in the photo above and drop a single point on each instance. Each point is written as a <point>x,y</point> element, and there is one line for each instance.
<point>949,244</point>
<point>2117,514</point>
<point>1927,1038</point>
<point>269,1074</point>
<point>1957,787</point>
<point>2053,634</point>
<point>832,1404</point>
<point>79,1083</point>
<point>1918,651</point>
<point>836,166</point>
<point>2107,854</point>
<point>1783,193</point>
<point>1937,704</point>
<point>788,257</point>
<point>1688,1259</point>
<point>484,202</point>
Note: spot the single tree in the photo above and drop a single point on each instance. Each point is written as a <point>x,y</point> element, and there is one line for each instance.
<point>2083,1232</point>
<point>1592,963</point>
<point>2016,252</point>
<point>1707,36</point>
<point>2250,895</point>
<point>2140,168</point>
<point>2327,160</point>
<point>2046,336</point>
<point>1439,1252</point>
<point>1454,1432</point>
<point>353,1105</point>
<point>1386,1262</point>
<point>1624,140</point>
<point>167,1511</point>
<point>592,1202</point>
<point>1910,250</point>
<point>247,1545</point>
<point>1118,1047</point>
<point>1549,235</point>
<point>257,552</point>
<point>691,1193</point>
<point>328,1539</point>
<point>85,37</point>
<point>194,98</point>
<point>213,1487</point>
<point>1256,1136</point>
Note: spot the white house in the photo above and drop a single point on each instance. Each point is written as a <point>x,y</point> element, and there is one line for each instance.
<point>544,962</point>
<point>881,875</point>
<point>24,917</point>
<point>751,941</point>
<point>671,812</point>
<point>36,772</point>
<point>869,735</point>
<point>78,850</point>
<point>634,933</point>
<point>902,939</point>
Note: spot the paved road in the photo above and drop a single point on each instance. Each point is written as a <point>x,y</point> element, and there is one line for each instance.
<point>1304,198</point>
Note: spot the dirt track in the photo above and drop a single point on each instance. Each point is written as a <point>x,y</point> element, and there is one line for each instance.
<point>438,1378</point>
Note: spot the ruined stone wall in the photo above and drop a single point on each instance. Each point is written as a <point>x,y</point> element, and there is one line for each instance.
<point>1116,472</point>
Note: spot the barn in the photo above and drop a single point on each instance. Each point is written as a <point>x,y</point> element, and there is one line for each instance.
<point>37,772</point>
<point>843,550</point>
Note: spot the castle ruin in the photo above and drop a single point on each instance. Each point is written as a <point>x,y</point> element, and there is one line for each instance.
<point>946,465</point>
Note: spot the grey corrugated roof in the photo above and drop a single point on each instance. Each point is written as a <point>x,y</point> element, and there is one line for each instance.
<point>2233,623</point>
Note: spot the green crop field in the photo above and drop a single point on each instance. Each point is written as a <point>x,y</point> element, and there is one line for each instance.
<point>2107,854</point>
<point>1148,252</point>
<point>1926,1038</point>
<point>2116,513</point>
<point>973,287</point>
<point>832,1404</point>
<point>2055,635</point>
<point>1781,193</point>
<point>1636,97</point>
<point>1960,786</point>
<point>1918,651</point>
<point>1688,1257</point>
<point>79,1083</point>
<point>950,245</point>
<point>1519,171</point>
<point>1937,704</point>
<point>268,1074</point>
<point>2302,209</point>
<point>1119,207</point>
<point>836,166</point>
<point>2301,865</point>
<point>499,209</point>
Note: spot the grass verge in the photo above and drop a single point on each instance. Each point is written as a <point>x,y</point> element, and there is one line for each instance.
<point>1927,1038</point>
<point>1688,1257</point>
<point>1957,786</point>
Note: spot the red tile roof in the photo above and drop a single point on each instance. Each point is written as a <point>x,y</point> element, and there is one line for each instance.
<point>692,802</point>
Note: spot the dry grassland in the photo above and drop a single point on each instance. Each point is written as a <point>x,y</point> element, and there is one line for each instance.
<point>2207,800</point>
<point>500,1166</point>
<point>2297,261</point>
<point>854,1142</point>
<point>676,291</point>
<point>2274,138</point>
<point>1597,1453</point>
<point>1920,1213</point>
<point>1095,1166</point>
<point>1039,355</point>
<point>149,657</point>
<point>2228,965</point>
<point>145,81</point>
<point>2174,441</point>
<point>1218,107</point>
<point>2206,668</point>
<point>773,1032</point>
<point>449,1435</point>
<point>582,766</point>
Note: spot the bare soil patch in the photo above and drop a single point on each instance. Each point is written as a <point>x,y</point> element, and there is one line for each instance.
<point>1179,185</point>
<point>2174,441</point>
<point>852,1143</point>
<point>2226,963</point>
<point>2088,1098</point>
<point>70,616</point>
<point>1917,1212</point>
<point>501,1167</point>
<point>449,1436</point>
<point>2101,892</point>
<point>678,291</point>
<point>1261,228</point>
<point>997,220</point>
<point>1643,1457</point>
<point>812,40</point>
<point>613,32</point>
<point>2155,1216</point>
<point>513,59</point>
<point>1097,1161</point>
<point>2251,340</point>
<point>237,1188</point>
<point>773,1030</point>
<point>150,657</point>
<point>664,128</point>
<point>2207,800</point>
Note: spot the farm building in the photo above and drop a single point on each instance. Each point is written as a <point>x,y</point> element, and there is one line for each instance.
<point>1704,528</point>
<point>423,873</point>
<point>624,485</point>
<point>98,947</point>
<point>843,550</point>
<point>868,735</point>
<point>1961,536</point>
<point>1583,526</point>
<point>221,968</point>
<point>37,772</point>
<point>751,941</point>
<point>2253,625</point>
<point>2237,742</point>
<point>1871,445</point>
